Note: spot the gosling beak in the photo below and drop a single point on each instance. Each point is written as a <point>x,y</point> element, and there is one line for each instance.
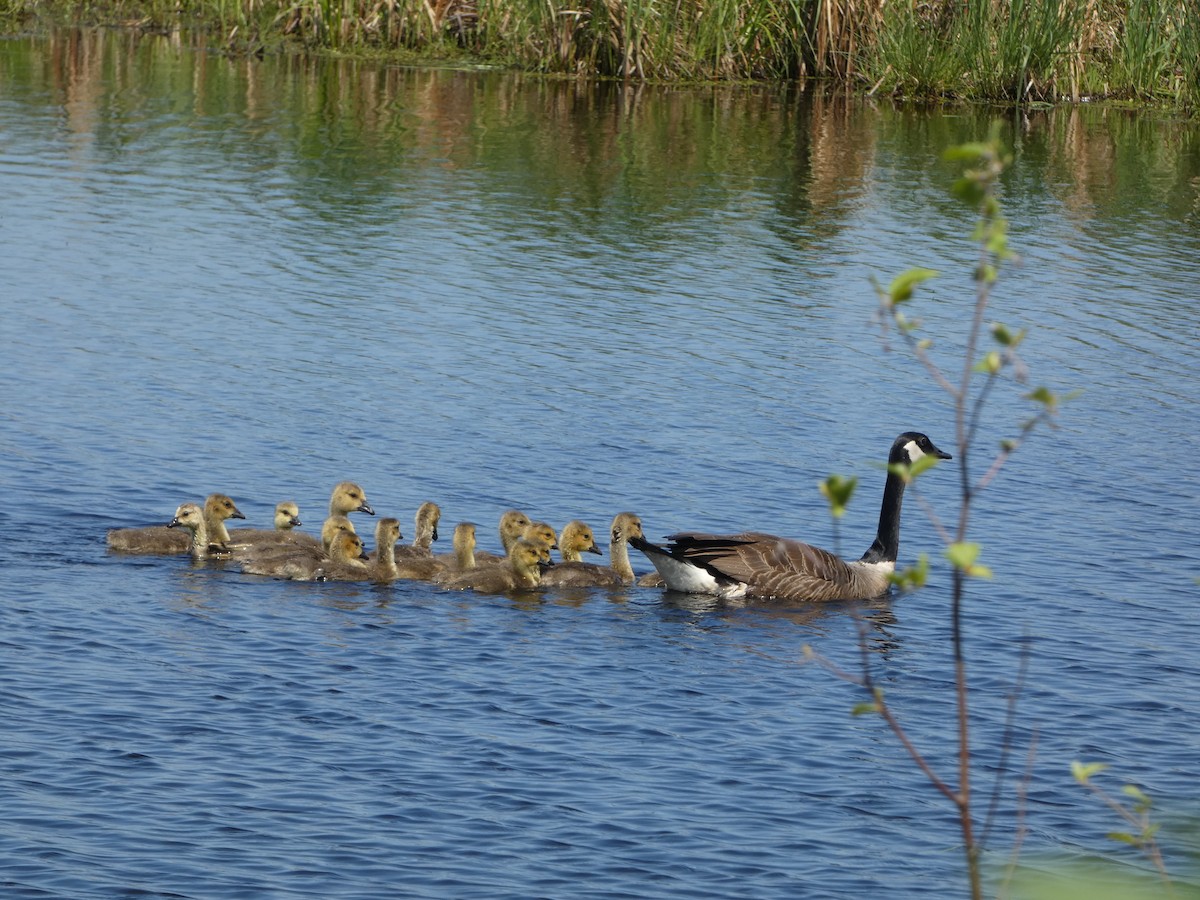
<point>174,523</point>
<point>236,514</point>
<point>365,508</point>
<point>435,534</point>
<point>596,550</point>
<point>295,520</point>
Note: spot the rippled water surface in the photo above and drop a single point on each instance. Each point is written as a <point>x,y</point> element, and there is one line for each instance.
<point>264,277</point>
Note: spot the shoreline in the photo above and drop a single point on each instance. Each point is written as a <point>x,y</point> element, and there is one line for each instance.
<point>925,55</point>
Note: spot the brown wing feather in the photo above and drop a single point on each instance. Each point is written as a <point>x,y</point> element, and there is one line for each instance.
<point>770,566</point>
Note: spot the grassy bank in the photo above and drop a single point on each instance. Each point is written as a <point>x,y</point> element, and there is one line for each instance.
<point>997,50</point>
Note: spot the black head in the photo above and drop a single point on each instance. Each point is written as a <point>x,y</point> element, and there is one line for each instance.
<point>911,446</point>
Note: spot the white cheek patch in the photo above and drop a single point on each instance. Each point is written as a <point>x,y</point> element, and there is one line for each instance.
<point>914,452</point>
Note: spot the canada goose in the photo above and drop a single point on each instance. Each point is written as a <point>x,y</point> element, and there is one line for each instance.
<point>332,525</point>
<point>576,573</point>
<point>513,523</point>
<point>577,538</point>
<point>286,520</point>
<point>521,572</point>
<point>464,547</point>
<point>345,559</point>
<point>463,557</point>
<point>191,517</point>
<point>752,564</point>
<point>159,539</point>
<point>381,566</point>
<point>218,508</point>
<point>347,497</point>
<point>426,525</point>
<point>541,533</point>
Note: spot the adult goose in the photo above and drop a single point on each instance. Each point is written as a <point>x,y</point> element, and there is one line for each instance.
<point>752,564</point>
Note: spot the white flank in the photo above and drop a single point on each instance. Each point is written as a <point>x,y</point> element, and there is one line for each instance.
<point>684,577</point>
<point>884,567</point>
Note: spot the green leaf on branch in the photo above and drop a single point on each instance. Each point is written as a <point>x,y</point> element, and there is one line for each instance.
<point>1046,397</point>
<point>1139,797</point>
<point>969,190</point>
<point>970,152</point>
<point>902,285</point>
<point>1006,338</point>
<point>1084,771</point>
<point>864,709</point>
<point>907,472</point>
<point>838,490</point>
<point>990,364</point>
<point>987,273</point>
<point>915,576</point>
<point>962,556</point>
<point>1125,838</point>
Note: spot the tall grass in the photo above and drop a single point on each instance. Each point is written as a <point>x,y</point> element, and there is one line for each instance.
<point>1015,50</point>
<point>1145,55</point>
<point>1010,50</point>
<point>1189,55</point>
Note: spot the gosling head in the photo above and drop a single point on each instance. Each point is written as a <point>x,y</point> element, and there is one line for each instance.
<point>219,507</point>
<point>348,497</point>
<point>577,537</point>
<point>287,516</point>
<point>428,516</point>
<point>189,516</point>
<point>347,547</point>
<point>541,532</point>
<point>528,560</point>
<point>626,525</point>
<point>387,531</point>
<point>332,526</point>
<point>464,536</point>
<point>512,523</point>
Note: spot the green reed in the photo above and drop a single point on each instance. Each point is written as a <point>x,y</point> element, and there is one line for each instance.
<point>1189,55</point>
<point>1145,55</point>
<point>1008,50</point>
<point>1017,50</point>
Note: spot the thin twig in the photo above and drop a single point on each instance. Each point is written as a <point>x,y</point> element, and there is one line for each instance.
<point>1006,742</point>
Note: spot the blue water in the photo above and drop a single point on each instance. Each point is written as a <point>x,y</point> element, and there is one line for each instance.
<point>267,277</point>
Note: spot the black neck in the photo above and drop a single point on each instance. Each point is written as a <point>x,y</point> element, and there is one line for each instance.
<point>887,539</point>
